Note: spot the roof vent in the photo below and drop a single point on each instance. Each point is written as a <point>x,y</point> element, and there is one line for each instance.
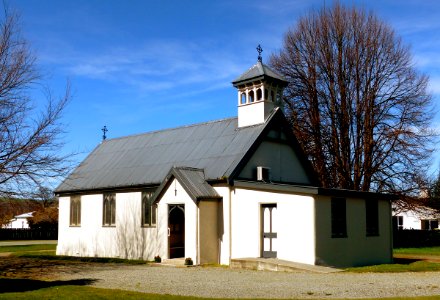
<point>263,174</point>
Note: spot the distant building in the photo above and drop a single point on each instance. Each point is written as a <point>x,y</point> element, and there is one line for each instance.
<point>20,221</point>
<point>420,218</point>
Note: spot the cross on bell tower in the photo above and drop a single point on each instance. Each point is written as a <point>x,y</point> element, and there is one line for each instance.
<point>259,50</point>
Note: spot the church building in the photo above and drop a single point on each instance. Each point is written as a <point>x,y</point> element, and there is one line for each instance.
<point>233,188</point>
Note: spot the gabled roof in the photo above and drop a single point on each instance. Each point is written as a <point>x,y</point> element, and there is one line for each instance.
<point>192,180</point>
<point>135,161</point>
<point>257,72</point>
<point>25,215</point>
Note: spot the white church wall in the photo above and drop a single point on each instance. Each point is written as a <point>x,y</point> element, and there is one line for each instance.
<point>127,239</point>
<point>293,221</point>
<point>254,113</point>
<point>224,256</point>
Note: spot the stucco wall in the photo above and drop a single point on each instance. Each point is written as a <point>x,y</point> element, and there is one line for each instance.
<point>209,231</point>
<point>282,161</point>
<point>128,239</point>
<point>357,248</point>
<point>223,225</point>
<point>293,221</point>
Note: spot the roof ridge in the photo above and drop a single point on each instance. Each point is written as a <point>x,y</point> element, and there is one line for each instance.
<point>188,168</point>
<point>169,129</point>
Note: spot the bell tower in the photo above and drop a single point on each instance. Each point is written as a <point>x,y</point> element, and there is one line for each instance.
<point>259,91</point>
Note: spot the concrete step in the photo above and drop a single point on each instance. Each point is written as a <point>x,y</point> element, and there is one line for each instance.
<point>273,264</point>
<point>174,262</point>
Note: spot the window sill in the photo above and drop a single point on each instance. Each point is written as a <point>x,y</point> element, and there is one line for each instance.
<point>339,236</point>
<point>148,226</point>
<point>74,225</point>
<point>109,226</point>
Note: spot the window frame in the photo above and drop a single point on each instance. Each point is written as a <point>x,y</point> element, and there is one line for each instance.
<point>148,209</point>
<point>372,217</point>
<point>109,210</point>
<point>75,211</point>
<point>338,217</point>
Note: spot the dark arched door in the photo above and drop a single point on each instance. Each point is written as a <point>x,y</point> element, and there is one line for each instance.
<point>176,230</point>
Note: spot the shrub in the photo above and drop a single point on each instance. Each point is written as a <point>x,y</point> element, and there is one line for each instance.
<point>188,261</point>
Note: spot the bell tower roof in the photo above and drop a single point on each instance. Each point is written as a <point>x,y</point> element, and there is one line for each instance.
<point>260,91</point>
<point>259,71</point>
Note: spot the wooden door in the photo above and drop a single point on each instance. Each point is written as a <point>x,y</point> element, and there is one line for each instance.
<point>268,231</point>
<point>176,230</point>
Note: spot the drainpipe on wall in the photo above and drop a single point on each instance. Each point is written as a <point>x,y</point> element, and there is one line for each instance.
<point>390,221</point>
<point>230,225</point>
<point>197,233</point>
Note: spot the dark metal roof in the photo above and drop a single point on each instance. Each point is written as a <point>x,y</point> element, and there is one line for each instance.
<point>216,147</point>
<point>258,71</point>
<point>192,180</point>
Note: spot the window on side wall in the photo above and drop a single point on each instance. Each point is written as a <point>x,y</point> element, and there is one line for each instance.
<point>109,210</point>
<point>338,218</point>
<point>149,209</point>
<point>372,217</point>
<point>75,211</point>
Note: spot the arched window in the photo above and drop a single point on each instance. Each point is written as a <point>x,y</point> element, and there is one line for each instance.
<point>243,98</point>
<point>272,96</point>
<point>266,94</point>
<point>148,209</point>
<point>259,94</point>
<point>75,211</point>
<point>109,210</point>
<point>251,97</point>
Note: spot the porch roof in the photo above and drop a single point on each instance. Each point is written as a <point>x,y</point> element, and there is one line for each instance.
<point>192,180</point>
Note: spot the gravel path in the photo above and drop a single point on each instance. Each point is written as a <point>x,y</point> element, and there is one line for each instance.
<point>227,283</point>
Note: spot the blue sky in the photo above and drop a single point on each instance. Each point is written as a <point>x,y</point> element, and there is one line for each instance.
<point>137,66</point>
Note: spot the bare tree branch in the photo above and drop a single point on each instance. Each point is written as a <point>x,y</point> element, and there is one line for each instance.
<point>360,110</point>
<point>30,140</point>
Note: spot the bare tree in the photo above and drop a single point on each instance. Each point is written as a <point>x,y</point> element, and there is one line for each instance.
<point>29,138</point>
<point>357,105</point>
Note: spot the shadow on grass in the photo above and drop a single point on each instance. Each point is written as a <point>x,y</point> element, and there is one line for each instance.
<point>10,285</point>
<point>405,261</point>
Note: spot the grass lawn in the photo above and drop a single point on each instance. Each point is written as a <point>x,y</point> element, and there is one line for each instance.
<point>417,266</point>
<point>418,251</point>
<point>84,293</point>
<point>25,248</point>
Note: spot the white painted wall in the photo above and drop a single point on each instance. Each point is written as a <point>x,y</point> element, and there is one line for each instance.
<point>19,221</point>
<point>413,219</point>
<point>294,219</point>
<point>410,220</point>
<point>224,254</point>
<point>254,113</point>
<point>128,239</point>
